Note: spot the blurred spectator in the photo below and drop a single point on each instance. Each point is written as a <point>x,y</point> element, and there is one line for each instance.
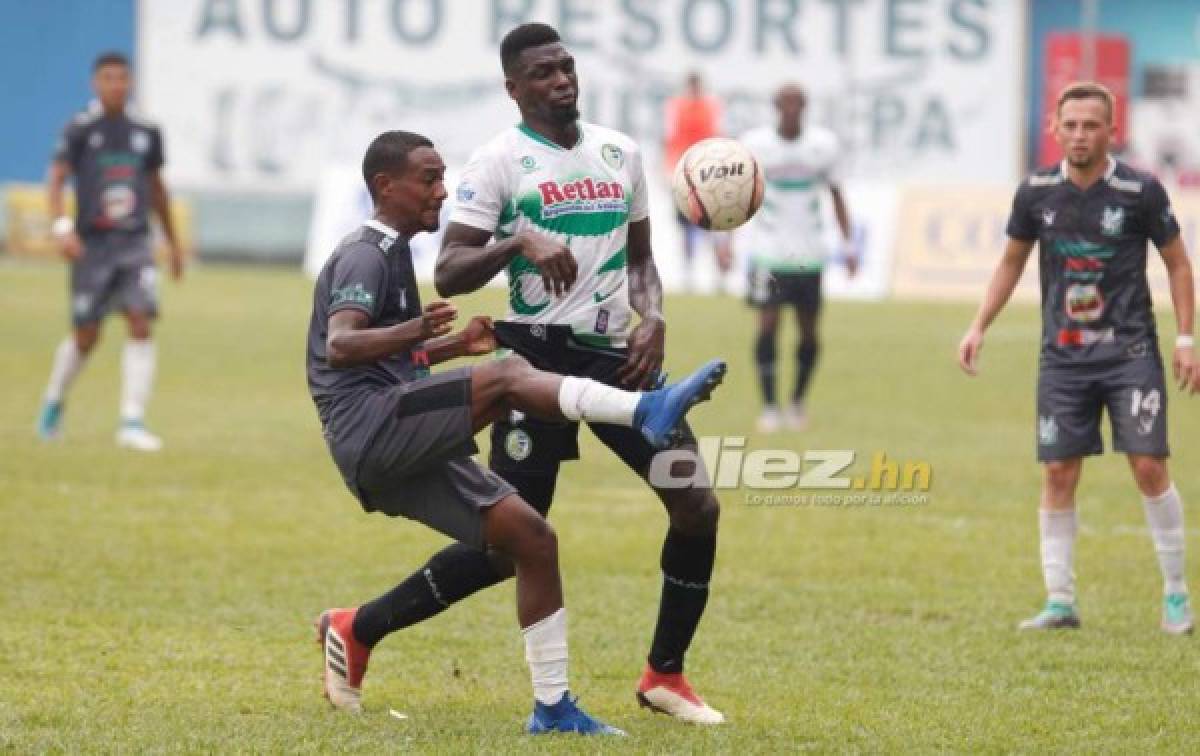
<point>692,117</point>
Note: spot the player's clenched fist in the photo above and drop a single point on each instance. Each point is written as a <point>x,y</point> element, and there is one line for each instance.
<point>479,337</point>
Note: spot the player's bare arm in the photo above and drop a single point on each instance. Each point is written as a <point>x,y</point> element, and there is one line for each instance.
<point>64,230</point>
<point>1000,289</point>
<point>351,342</point>
<point>160,200</point>
<point>467,262</point>
<point>1183,297</point>
<point>647,341</point>
<point>842,214</point>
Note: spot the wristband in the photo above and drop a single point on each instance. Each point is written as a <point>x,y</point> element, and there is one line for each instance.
<point>1185,341</point>
<point>62,226</point>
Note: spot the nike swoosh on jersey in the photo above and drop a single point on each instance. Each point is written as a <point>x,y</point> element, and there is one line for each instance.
<point>598,297</point>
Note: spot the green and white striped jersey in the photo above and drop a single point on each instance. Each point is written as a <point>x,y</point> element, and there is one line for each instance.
<point>585,196</point>
<point>789,232</point>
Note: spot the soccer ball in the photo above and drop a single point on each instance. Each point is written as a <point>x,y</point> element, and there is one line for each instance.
<point>718,184</point>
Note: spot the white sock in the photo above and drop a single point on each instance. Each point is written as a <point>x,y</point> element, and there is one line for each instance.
<point>1058,529</point>
<point>68,361</point>
<point>546,652</point>
<point>137,376</point>
<point>585,399</point>
<point>1164,515</point>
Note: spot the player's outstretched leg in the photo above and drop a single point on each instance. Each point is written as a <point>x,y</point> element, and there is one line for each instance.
<point>517,530</point>
<point>69,359</point>
<point>511,383</point>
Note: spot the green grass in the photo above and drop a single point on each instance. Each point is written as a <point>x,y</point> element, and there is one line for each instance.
<point>163,603</point>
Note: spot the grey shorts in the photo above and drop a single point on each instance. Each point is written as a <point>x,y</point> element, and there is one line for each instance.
<point>115,272</point>
<point>1071,400</point>
<point>418,463</point>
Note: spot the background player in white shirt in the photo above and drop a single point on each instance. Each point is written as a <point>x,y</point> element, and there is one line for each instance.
<point>787,243</point>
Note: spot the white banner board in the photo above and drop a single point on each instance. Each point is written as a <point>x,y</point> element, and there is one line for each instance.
<point>252,92</point>
<point>284,95</point>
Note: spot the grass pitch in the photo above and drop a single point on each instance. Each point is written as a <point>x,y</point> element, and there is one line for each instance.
<point>163,602</point>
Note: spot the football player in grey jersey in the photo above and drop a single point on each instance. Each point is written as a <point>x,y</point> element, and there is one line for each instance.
<point>1091,217</point>
<point>115,160</point>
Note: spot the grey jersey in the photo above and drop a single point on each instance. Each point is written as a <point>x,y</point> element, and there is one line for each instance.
<point>371,270</point>
<point>111,158</point>
<point>1096,304</point>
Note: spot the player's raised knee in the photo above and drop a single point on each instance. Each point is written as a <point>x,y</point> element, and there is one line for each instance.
<point>513,368</point>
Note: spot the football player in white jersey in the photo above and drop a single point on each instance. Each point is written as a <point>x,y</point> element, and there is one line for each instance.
<point>560,205</point>
<point>788,245</point>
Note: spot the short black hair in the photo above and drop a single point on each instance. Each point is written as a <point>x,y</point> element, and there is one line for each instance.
<point>388,153</point>
<point>110,58</point>
<point>521,39</point>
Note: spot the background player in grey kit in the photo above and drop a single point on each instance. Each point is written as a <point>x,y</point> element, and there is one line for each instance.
<point>115,159</point>
<point>1091,217</point>
<point>402,437</point>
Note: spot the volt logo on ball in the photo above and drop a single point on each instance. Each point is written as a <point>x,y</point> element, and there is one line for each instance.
<point>718,184</point>
<point>719,172</point>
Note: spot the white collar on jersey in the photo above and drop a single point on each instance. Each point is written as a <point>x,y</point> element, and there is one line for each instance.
<point>390,235</point>
<point>1108,172</point>
<point>382,228</point>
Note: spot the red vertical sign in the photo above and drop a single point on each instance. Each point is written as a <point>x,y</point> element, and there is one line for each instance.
<point>1063,64</point>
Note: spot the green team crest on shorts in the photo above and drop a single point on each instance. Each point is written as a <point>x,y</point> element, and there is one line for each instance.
<point>518,445</point>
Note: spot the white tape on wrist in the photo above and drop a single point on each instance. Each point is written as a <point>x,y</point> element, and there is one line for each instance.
<point>1184,341</point>
<point>62,226</point>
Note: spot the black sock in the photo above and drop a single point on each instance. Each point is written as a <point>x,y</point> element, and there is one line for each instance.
<point>687,564</point>
<point>806,360</point>
<point>764,358</point>
<point>451,575</point>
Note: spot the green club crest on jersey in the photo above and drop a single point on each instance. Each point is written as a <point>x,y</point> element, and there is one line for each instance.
<point>529,164</point>
<point>518,445</point>
<point>356,294</point>
<point>613,155</point>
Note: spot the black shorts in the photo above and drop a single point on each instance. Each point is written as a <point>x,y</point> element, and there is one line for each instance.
<point>418,463</point>
<point>1071,400</point>
<point>115,272</point>
<point>801,290</point>
<point>535,446</point>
